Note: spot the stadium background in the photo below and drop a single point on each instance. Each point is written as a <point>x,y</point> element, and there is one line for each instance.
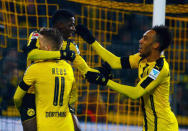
<point>117,25</point>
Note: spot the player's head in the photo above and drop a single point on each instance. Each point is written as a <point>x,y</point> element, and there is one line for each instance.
<point>64,21</point>
<point>50,39</point>
<point>157,39</point>
<point>163,36</point>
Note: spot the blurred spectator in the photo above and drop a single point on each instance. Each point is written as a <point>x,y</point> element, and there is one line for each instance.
<point>181,99</point>
<point>8,78</point>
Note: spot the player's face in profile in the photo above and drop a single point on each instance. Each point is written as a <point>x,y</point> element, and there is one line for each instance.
<point>42,42</point>
<point>146,42</point>
<point>67,28</point>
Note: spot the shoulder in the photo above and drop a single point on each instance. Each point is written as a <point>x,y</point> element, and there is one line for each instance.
<point>65,63</point>
<point>31,69</point>
<point>162,66</point>
<point>73,46</point>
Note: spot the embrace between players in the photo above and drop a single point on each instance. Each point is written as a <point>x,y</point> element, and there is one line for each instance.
<point>49,80</point>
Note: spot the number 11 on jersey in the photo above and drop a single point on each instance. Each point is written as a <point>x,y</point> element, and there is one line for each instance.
<point>56,91</point>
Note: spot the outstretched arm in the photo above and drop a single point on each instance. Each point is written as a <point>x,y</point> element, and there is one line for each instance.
<point>110,58</point>
<point>37,54</point>
<point>33,53</point>
<point>145,85</point>
<point>80,64</point>
<point>106,55</point>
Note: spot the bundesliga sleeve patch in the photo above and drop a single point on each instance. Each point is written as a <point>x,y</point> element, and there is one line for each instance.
<point>154,73</point>
<point>78,51</point>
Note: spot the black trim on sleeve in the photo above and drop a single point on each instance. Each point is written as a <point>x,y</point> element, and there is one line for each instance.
<point>146,82</point>
<point>26,49</point>
<point>154,112</point>
<point>159,64</point>
<point>24,86</point>
<point>144,112</point>
<point>68,45</point>
<point>125,64</point>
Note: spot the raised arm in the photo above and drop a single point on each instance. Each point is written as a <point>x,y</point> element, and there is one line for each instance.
<point>110,58</point>
<point>106,55</point>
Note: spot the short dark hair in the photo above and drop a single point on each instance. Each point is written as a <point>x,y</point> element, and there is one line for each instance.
<point>61,15</point>
<point>53,35</point>
<point>163,36</point>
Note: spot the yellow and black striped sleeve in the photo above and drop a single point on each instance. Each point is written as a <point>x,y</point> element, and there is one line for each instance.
<point>144,86</point>
<point>131,61</point>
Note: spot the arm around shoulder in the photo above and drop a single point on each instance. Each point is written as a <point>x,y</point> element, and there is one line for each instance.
<point>37,54</point>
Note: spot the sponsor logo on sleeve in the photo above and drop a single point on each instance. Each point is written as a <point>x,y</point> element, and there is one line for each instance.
<point>78,51</point>
<point>154,73</point>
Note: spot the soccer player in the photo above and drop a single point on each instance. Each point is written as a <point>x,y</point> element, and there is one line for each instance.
<point>53,81</point>
<point>153,72</point>
<point>64,21</point>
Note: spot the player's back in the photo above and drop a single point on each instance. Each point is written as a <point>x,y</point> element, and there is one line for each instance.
<point>53,85</point>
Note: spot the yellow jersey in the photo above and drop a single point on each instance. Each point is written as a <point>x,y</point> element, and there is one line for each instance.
<point>153,88</point>
<point>53,81</point>
<point>154,79</point>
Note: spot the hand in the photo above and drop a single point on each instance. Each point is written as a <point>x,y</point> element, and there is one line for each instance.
<point>68,55</point>
<point>35,35</point>
<point>96,78</point>
<point>106,70</point>
<point>32,44</point>
<point>85,33</point>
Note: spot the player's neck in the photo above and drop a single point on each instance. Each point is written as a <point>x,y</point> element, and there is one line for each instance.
<point>154,56</point>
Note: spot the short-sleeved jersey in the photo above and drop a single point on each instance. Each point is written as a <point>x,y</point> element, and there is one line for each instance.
<point>53,81</point>
<point>155,103</point>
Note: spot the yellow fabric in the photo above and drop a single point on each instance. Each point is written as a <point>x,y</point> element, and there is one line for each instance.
<point>18,96</point>
<point>46,77</point>
<point>73,95</point>
<point>78,63</point>
<point>65,124</point>
<point>37,54</point>
<point>134,60</point>
<point>157,92</point>
<point>107,56</point>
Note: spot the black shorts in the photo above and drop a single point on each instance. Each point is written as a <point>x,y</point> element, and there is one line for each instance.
<point>28,107</point>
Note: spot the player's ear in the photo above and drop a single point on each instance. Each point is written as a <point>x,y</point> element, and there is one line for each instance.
<point>48,47</point>
<point>156,45</point>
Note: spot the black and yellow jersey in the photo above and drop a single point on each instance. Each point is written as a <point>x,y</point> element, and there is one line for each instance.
<point>53,81</point>
<point>153,88</point>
